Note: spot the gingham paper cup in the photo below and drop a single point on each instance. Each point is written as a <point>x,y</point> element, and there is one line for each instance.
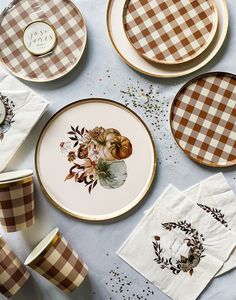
<point>54,259</point>
<point>17,204</point>
<point>13,274</point>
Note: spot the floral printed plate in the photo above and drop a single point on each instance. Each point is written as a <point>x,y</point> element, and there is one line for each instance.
<point>41,40</point>
<point>95,159</point>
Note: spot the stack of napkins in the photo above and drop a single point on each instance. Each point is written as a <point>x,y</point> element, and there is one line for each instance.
<point>20,109</point>
<point>186,238</point>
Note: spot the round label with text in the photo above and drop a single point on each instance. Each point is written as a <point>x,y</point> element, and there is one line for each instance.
<point>39,38</point>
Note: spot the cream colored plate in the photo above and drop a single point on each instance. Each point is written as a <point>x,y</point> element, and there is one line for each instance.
<point>133,59</point>
<point>95,159</point>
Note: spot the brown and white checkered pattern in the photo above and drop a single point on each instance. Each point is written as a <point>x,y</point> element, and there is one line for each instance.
<point>61,265</point>
<point>203,119</point>
<point>71,38</point>
<point>13,273</point>
<point>170,31</point>
<point>17,206</point>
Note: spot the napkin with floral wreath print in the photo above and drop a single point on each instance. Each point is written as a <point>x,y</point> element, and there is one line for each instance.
<point>177,246</point>
<point>20,109</point>
<point>215,196</point>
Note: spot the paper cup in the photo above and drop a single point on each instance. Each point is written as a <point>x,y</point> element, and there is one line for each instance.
<point>13,274</point>
<point>16,201</point>
<point>54,259</point>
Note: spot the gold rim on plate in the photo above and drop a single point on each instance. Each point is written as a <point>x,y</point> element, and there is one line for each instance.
<point>128,207</point>
<point>174,75</point>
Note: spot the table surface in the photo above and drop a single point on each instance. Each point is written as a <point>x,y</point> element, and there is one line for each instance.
<point>101,73</point>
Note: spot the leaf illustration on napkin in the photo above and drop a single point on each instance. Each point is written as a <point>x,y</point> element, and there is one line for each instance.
<point>194,242</point>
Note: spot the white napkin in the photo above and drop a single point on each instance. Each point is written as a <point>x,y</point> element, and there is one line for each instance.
<point>24,110</point>
<point>177,246</point>
<point>215,197</point>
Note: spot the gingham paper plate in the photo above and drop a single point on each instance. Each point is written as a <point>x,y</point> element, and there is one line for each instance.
<point>63,17</point>
<point>170,31</point>
<point>203,119</point>
<point>131,57</point>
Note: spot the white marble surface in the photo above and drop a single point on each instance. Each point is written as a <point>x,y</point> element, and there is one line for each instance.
<point>101,73</point>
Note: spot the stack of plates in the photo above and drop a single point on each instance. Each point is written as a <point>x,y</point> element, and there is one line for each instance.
<point>167,38</point>
<point>41,40</point>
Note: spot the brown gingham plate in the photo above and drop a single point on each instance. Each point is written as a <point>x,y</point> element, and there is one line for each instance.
<point>57,24</point>
<point>203,119</point>
<point>170,31</point>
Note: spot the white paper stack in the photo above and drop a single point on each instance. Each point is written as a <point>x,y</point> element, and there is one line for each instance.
<point>20,109</point>
<point>186,239</point>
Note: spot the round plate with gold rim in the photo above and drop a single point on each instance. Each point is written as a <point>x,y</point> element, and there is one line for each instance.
<point>41,41</point>
<point>203,119</point>
<point>139,63</point>
<point>95,159</point>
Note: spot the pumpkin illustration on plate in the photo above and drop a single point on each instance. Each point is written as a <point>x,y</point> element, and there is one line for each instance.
<point>121,147</point>
<point>97,156</point>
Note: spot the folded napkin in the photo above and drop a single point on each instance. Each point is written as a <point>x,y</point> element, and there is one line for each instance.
<point>20,109</point>
<point>215,197</point>
<point>177,246</point>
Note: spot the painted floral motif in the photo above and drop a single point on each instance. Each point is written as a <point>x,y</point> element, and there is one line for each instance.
<point>97,156</point>
<point>215,213</point>
<point>6,124</point>
<point>194,242</point>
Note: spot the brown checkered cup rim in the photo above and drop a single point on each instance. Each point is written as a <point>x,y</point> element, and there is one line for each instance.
<point>176,62</point>
<point>15,175</point>
<point>64,73</point>
<point>52,237</point>
<point>16,182</point>
<point>191,81</point>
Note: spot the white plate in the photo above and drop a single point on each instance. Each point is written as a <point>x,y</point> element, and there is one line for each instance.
<point>136,61</point>
<point>123,173</point>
